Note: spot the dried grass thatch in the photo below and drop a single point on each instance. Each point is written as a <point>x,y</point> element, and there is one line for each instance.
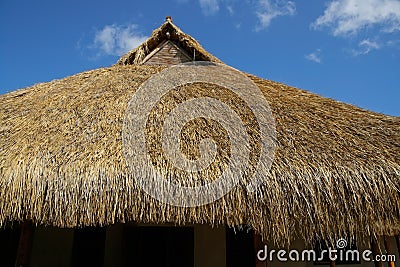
<point>336,168</point>
<point>167,31</point>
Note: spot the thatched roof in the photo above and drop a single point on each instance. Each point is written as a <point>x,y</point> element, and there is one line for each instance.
<point>167,31</point>
<point>336,167</point>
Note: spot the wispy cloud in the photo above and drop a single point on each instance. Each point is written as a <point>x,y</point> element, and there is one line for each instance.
<point>366,46</point>
<point>348,17</point>
<point>314,56</point>
<point>271,9</point>
<point>117,40</point>
<point>230,10</point>
<point>209,7</point>
<point>393,43</point>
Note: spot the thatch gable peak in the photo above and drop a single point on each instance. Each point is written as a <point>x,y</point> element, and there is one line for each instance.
<point>184,46</point>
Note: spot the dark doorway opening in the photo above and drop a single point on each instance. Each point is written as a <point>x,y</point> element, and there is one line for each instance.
<point>9,240</point>
<point>158,246</point>
<point>240,248</point>
<point>88,246</point>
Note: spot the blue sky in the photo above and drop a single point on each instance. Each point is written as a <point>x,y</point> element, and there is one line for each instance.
<point>348,50</point>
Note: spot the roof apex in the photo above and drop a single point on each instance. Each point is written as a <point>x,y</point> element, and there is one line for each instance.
<point>167,31</point>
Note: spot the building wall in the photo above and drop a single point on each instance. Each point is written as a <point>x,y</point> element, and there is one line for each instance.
<point>53,247</point>
<point>209,246</point>
<point>114,247</point>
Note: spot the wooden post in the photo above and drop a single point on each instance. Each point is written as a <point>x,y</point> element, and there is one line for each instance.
<point>258,245</point>
<point>388,249</point>
<point>25,245</point>
<point>333,263</point>
<point>398,243</point>
<point>375,251</point>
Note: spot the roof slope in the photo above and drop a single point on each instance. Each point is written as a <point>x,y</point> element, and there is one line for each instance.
<point>336,169</point>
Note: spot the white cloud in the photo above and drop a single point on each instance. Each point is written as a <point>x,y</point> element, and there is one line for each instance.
<point>270,9</point>
<point>347,17</point>
<point>230,10</point>
<point>117,40</point>
<point>314,56</point>
<point>366,46</point>
<point>209,7</point>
